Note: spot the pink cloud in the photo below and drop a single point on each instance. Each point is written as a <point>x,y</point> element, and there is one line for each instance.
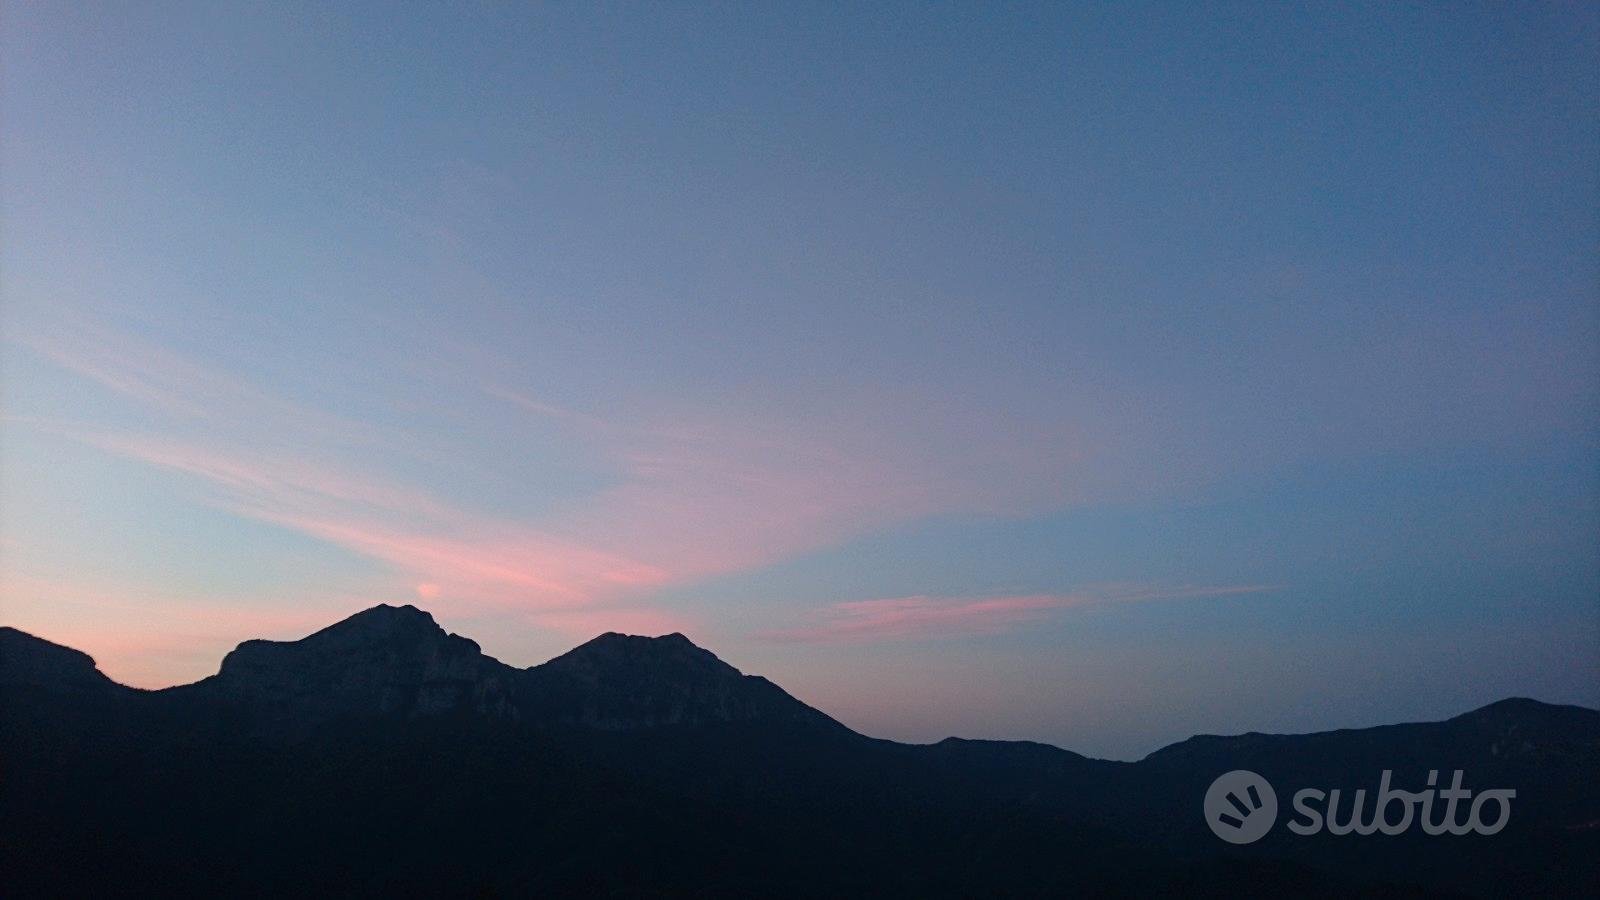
<point>921,617</point>
<point>702,497</point>
<point>690,498</point>
<point>480,559</point>
<point>498,563</point>
<point>692,494</point>
<point>688,493</point>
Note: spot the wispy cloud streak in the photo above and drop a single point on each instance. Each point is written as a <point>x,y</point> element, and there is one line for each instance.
<point>271,460</point>
<point>922,617</point>
<point>687,494</point>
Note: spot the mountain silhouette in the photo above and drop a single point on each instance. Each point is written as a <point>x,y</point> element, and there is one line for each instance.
<point>27,661</point>
<point>381,661</point>
<point>397,660</point>
<point>385,756</point>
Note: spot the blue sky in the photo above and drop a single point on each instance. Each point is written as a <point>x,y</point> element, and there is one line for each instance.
<point>1094,376</point>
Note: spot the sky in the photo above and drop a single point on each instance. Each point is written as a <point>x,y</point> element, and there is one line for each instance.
<point>1097,376</point>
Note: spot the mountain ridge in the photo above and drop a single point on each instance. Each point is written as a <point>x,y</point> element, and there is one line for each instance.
<point>385,756</point>
<point>397,658</point>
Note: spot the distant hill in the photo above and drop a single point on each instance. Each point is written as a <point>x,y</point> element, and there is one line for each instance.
<point>383,756</point>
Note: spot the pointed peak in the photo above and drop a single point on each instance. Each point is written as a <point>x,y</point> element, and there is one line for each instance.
<point>368,659</point>
<point>640,642</point>
<point>622,681</point>
<point>616,649</point>
<point>380,626</point>
<point>385,621</point>
<point>383,612</point>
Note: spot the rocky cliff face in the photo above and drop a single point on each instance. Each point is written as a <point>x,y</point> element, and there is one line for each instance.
<point>619,681</point>
<point>397,660</point>
<point>385,660</point>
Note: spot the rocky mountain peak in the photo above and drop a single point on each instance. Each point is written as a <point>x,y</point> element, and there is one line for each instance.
<point>619,681</point>
<point>384,659</point>
<point>671,656</point>
<point>398,660</point>
<point>384,623</point>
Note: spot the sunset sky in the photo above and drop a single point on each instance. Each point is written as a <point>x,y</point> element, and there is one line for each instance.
<point>1089,376</point>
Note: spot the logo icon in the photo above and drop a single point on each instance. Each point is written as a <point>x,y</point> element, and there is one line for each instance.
<point>1240,807</point>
